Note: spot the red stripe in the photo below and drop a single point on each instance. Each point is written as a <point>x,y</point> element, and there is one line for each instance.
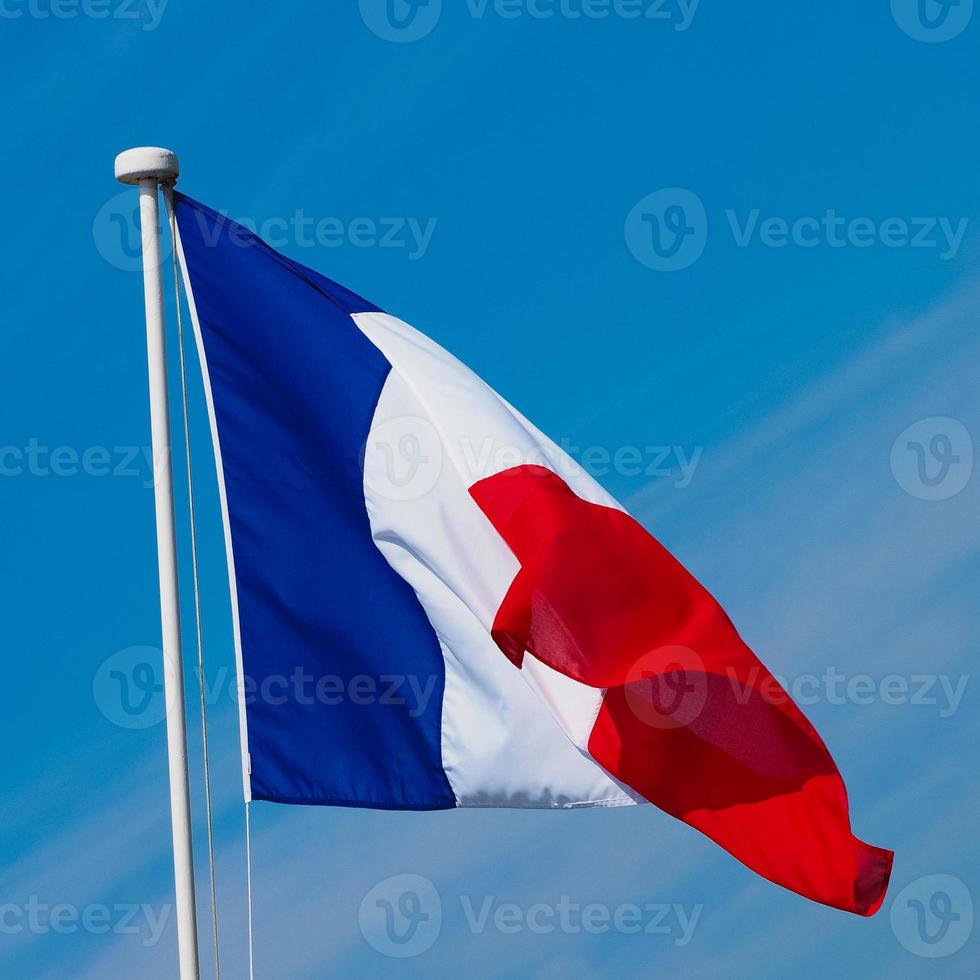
<point>691,719</point>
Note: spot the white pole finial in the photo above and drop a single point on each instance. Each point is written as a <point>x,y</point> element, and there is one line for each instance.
<point>142,162</point>
<point>148,167</point>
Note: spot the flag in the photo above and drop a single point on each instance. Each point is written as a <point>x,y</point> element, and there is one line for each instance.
<point>434,606</point>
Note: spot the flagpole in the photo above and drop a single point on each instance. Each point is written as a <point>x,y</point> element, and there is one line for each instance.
<point>148,167</point>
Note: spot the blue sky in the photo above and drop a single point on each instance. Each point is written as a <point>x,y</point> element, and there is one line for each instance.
<point>479,176</point>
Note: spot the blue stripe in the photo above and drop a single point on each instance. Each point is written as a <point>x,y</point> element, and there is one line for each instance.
<point>328,629</point>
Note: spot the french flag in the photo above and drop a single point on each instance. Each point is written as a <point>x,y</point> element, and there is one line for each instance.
<point>475,621</point>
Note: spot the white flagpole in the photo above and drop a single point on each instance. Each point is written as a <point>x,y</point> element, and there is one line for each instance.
<point>148,167</point>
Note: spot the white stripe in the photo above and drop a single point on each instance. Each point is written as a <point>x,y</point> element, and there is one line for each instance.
<point>226,524</point>
<point>437,430</point>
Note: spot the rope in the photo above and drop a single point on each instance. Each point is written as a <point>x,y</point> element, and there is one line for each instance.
<point>248,868</point>
<point>168,198</point>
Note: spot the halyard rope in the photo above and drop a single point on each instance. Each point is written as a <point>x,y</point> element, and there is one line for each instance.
<point>168,198</point>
